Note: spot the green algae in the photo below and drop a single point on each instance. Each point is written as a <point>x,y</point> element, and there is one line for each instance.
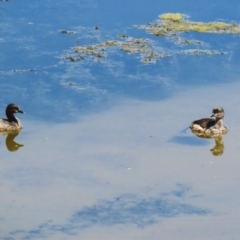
<point>129,45</point>
<point>169,23</point>
<point>176,17</point>
<point>135,46</point>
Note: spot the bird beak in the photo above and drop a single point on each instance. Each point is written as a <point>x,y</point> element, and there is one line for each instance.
<point>20,111</point>
<point>212,115</point>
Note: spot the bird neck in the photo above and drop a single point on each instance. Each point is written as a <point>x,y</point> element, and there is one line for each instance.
<point>11,117</point>
<point>219,121</point>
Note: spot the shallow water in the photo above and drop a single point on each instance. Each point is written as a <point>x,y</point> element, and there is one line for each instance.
<point>105,157</point>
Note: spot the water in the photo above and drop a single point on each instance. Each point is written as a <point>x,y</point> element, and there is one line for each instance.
<point>102,152</point>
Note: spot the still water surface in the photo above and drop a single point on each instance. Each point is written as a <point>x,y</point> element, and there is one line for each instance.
<point>102,154</point>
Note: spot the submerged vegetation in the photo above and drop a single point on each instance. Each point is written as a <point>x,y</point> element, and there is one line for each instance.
<point>170,25</point>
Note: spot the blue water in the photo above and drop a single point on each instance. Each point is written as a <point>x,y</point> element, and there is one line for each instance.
<point>103,153</point>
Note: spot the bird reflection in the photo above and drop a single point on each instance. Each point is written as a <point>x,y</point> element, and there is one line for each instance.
<point>11,145</point>
<point>218,149</point>
<point>219,146</point>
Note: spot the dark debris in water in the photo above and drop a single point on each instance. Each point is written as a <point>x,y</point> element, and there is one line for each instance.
<point>63,31</point>
<point>122,36</point>
<point>22,70</point>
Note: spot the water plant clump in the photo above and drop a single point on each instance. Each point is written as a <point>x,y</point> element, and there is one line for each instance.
<point>170,23</point>
<point>129,45</point>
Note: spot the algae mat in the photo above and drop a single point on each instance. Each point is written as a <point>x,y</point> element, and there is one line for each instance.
<point>171,25</point>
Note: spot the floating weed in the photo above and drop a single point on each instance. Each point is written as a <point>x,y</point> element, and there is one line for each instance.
<point>170,25</point>
<point>175,22</point>
<point>196,52</point>
<point>130,45</point>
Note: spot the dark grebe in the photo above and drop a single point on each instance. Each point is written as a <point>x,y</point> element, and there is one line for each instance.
<point>11,123</point>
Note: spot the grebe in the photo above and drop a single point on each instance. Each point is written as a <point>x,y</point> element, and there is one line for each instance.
<point>210,126</point>
<point>11,123</point>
